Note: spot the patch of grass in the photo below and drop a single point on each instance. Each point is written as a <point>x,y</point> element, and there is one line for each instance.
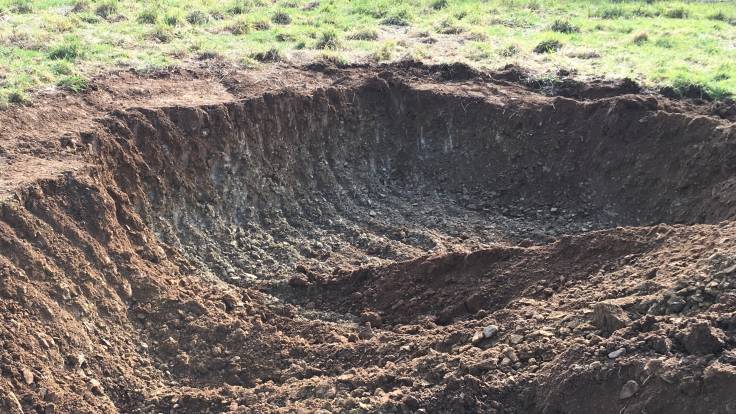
<point>611,12</point>
<point>640,38</point>
<point>272,54</point>
<point>548,46</point>
<point>365,33</point>
<point>676,13</point>
<point>106,9</point>
<point>21,6</point>
<point>69,49</point>
<point>74,83</point>
<point>17,96</point>
<point>334,58</point>
<point>721,16</point>
<point>148,16</point>
<point>563,26</point>
<point>198,17</point>
<point>281,17</point>
<point>439,4</point>
<point>664,42</point>
<point>161,33</point>
<point>398,17</point>
<point>329,39</point>
<point>385,51</point>
<point>261,25</point>
<point>686,87</point>
<point>172,19</point>
<point>238,26</point>
<point>449,26</point>
<point>509,51</point>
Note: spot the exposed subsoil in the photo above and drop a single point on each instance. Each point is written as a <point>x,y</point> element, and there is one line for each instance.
<point>393,239</point>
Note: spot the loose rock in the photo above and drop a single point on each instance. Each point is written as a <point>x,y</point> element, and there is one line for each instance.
<point>703,339</point>
<point>609,317</point>
<point>617,353</point>
<point>628,390</point>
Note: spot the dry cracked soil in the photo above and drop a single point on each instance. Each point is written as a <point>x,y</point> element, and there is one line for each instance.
<point>374,239</point>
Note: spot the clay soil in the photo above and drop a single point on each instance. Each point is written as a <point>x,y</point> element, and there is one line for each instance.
<point>389,239</point>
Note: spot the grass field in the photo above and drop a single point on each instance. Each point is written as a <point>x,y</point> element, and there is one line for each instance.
<point>62,43</point>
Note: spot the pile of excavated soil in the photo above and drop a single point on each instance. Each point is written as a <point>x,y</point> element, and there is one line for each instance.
<point>396,239</point>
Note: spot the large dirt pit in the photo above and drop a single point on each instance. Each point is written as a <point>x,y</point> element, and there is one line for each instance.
<point>394,239</point>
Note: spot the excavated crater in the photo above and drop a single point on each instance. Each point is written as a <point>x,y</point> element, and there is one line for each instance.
<point>386,170</point>
<point>226,257</point>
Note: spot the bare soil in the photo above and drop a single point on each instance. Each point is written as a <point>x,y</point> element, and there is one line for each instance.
<point>393,239</point>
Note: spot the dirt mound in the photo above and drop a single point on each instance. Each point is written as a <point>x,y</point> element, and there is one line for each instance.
<point>382,239</point>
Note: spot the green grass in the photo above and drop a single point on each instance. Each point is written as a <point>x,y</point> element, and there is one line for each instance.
<point>686,46</point>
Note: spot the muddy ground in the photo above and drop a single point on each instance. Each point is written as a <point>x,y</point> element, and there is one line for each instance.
<point>395,239</point>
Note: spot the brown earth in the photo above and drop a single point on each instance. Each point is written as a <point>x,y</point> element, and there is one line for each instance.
<point>389,239</point>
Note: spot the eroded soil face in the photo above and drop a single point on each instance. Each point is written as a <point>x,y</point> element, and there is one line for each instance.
<point>397,239</point>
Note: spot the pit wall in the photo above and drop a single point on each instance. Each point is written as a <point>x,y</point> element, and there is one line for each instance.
<point>215,169</point>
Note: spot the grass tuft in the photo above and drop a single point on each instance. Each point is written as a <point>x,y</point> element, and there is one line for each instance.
<point>439,4</point>
<point>563,26</point>
<point>238,26</point>
<point>73,83</point>
<point>328,40</point>
<point>106,9</point>
<point>640,38</point>
<point>21,6</point>
<point>148,16</point>
<point>272,54</point>
<point>385,52</point>
<point>676,13</point>
<point>366,33</point>
<point>398,17</point>
<point>19,97</point>
<point>69,49</point>
<point>509,51</point>
<point>548,46</point>
<point>198,17</point>
<point>281,17</point>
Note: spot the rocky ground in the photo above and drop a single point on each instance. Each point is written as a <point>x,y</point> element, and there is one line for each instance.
<point>393,239</point>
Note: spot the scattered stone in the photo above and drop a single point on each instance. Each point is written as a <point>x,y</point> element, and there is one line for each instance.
<point>617,353</point>
<point>76,361</point>
<point>675,304</point>
<point>703,339</point>
<point>490,330</point>
<point>298,281</point>
<point>477,337</point>
<point>628,390</point>
<point>27,376</point>
<point>609,317</point>
<point>96,387</point>
<point>371,317</point>
<point>659,344</point>
<point>365,332</point>
<point>515,339</point>
<point>410,402</point>
<point>474,303</point>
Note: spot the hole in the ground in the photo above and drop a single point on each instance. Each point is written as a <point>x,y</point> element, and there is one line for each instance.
<point>429,208</point>
<point>385,171</point>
